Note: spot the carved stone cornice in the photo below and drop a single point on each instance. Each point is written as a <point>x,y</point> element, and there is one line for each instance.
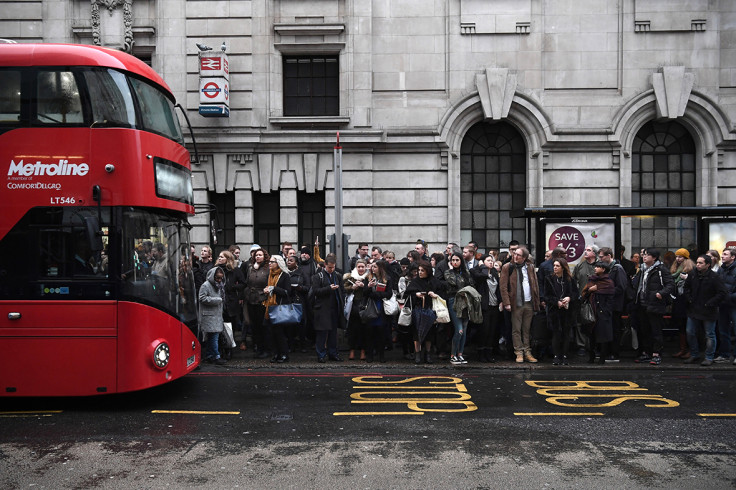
<point>111,6</point>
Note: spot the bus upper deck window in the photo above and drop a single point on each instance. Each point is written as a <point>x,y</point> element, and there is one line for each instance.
<point>58,98</point>
<point>9,96</point>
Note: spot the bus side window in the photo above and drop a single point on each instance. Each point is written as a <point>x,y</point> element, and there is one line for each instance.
<point>58,98</point>
<point>9,96</point>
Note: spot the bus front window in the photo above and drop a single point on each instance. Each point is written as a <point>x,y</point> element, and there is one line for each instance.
<point>156,267</point>
<point>110,97</point>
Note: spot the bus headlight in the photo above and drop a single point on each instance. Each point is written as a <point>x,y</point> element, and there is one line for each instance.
<point>161,355</point>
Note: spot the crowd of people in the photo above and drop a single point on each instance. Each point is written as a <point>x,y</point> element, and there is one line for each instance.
<point>432,306</point>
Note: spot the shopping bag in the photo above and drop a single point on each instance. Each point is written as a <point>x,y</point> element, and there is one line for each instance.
<point>282,314</point>
<point>348,306</point>
<point>228,339</point>
<point>439,306</point>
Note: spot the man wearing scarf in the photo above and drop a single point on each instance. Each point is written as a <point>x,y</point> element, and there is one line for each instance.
<point>600,291</point>
<point>520,296</point>
<point>653,294</point>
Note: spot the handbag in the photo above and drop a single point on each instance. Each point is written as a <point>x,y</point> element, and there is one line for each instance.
<point>282,314</point>
<point>390,305</point>
<point>405,315</point>
<point>228,338</point>
<point>369,311</point>
<point>586,313</point>
<point>439,306</point>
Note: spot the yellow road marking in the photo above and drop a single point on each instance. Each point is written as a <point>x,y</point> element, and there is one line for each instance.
<point>717,414</point>
<point>377,413</point>
<point>195,412</point>
<point>558,413</point>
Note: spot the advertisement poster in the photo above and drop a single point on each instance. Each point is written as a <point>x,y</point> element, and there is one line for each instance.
<point>721,235</point>
<point>575,235</point>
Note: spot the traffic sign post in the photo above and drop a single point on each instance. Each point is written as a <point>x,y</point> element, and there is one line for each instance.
<point>214,84</point>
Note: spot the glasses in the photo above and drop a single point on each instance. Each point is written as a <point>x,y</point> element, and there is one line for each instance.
<point>518,254</point>
<point>272,262</point>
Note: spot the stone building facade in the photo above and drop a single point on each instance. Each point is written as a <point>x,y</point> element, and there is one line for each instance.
<point>451,113</point>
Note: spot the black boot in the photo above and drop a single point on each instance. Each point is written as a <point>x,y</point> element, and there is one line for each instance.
<point>428,357</point>
<point>418,357</point>
<point>381,356</point>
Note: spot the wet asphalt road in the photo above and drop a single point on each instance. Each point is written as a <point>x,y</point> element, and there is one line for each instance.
<point>385,426</point>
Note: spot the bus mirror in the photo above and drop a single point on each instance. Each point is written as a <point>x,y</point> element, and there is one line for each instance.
<point>94,233</point>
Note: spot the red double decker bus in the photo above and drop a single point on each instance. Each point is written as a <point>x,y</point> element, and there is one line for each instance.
<point>96,284</point>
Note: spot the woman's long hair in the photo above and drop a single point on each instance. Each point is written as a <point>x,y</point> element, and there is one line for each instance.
<point>381,275</point>
<point>230,262</point>
<point>565,267</point>
<point>463,268</point>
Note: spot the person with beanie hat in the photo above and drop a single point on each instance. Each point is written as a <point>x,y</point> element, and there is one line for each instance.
<point>681,267</point>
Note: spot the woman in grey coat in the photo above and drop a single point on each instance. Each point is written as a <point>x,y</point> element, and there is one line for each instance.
<point>211,298</point>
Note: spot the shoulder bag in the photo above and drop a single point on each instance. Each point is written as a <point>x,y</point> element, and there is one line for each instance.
<point>368,311</point>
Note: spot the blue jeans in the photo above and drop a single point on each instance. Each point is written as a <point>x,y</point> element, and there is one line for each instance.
<point>726,327</point>
<point>461,329</point>
<point>211,348</point>
<point>710,337</point>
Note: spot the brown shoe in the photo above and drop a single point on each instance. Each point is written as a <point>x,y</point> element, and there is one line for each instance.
<point>243,346</point>
<point>519,358</point>
<point>529,358</point>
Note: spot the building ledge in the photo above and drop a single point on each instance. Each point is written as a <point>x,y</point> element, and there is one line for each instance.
<point>308,29</point>
<point>310,121</point>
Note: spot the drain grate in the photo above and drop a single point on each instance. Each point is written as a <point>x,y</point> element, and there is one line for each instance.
<point>281,416</point>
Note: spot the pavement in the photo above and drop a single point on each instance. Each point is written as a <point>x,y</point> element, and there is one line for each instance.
<point>395,360</point>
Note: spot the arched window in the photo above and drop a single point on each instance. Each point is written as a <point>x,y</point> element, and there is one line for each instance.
<point>492,183</point>
<point>663,176</point>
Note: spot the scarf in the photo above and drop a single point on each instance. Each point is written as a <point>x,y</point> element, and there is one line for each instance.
<point>520,287</point>
<point>604,283</point>
<point>220,287</point>
<point>273,279</point>
<point>354,275</point>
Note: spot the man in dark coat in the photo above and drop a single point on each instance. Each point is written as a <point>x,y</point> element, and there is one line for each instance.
<point>329,298</point>
<point>653,294</point>
<point>704,291</point>
<point>203,266</point>
<point>623,289</point>
<point>307,268</point>
<point>727,311</point>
